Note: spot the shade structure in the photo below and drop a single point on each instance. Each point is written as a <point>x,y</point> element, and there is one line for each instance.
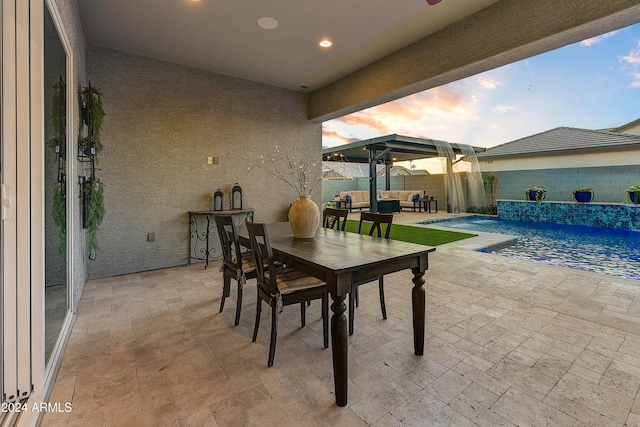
<point>386,150</point>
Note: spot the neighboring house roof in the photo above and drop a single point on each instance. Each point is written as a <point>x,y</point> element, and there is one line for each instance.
<point>563,140</point>
<point>401,170</point>
<point>347,169</point>
<point>627,126</point>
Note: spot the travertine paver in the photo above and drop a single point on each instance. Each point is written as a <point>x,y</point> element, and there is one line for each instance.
<point>508,342</point>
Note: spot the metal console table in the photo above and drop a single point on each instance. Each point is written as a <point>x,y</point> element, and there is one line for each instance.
<point>204,243</point>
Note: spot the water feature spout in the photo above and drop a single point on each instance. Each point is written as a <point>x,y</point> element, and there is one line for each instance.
<point>453,185</point>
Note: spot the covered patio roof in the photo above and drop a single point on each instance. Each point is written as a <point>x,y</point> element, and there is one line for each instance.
<point>388,149</point>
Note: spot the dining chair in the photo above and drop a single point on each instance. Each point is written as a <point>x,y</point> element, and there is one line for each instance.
<point>376,220</point>
<point>335,218</point>
<point>282,287</point>
<point>236,264</point>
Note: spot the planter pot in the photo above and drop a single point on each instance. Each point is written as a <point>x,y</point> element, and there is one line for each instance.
<point>533,196</point>
<point>634,197</point>
<point>583,196</point>
<point>304,217</point>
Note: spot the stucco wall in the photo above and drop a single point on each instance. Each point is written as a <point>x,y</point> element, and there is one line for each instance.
<point>162,122</point>
<point>609,183</point>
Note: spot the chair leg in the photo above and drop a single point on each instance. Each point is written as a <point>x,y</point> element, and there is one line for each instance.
<point>226,290</point>
<point>238,304</point>
<point>325,319</point>
<point>274,335</point>
<point>303,314</point>
<point>352,310</point>
<point>382,305</point>
<point>257,324</point>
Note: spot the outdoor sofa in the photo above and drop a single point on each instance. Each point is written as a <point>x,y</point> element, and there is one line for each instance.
<point>409,199</point>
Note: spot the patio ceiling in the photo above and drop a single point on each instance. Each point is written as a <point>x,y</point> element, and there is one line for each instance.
<point>223,36</point>
<point>396,148</point>
<point>382,49</point>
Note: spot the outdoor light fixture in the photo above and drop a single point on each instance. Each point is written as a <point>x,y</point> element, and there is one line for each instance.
<point>433,2</point>
<point>325,43</point>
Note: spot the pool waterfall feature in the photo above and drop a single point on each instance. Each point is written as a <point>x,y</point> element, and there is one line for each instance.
<point>456,201</point>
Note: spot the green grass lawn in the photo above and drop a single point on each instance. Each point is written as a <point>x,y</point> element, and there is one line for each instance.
<point>407,233</point>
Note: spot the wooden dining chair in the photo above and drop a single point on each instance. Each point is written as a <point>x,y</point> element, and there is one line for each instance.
<point>236,264</point>
<point>376,221</point>
<point>335,218</point>
<point>282,287</point>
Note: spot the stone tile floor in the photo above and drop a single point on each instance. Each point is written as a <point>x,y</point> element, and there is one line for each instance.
<point>508,343</point>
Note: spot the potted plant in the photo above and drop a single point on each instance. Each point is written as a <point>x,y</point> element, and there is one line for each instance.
<point>633,194</point>
<point>583,194</point>
<point>536,193</point>
<point>336,197</point>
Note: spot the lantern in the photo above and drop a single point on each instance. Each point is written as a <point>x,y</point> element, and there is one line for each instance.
<point>236,197</point>
<point>218,200</point>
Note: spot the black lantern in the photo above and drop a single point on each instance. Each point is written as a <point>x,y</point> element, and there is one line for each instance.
<point>236,197</point>
<point>218,200</point>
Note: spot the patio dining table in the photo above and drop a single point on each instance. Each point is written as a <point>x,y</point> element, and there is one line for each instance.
<point>341,258</point>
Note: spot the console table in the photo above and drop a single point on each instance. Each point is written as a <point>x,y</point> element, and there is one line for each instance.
<point>204,243</point>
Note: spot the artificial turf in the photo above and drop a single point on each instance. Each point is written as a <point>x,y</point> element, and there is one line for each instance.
<point>407,233</point>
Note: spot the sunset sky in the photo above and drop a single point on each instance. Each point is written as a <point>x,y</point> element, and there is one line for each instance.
<point>593,84</point>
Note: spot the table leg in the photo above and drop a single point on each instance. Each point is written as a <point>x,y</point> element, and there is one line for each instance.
<point>418,305</point>
<point>339,348</point>
<point>206,256</point>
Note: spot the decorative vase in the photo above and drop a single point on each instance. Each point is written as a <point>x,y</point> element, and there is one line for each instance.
<point>583,196</point>
<point>304,217</point>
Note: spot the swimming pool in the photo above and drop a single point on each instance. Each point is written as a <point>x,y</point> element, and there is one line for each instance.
<point>599,249</point>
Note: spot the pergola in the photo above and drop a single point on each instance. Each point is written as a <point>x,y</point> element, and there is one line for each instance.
<point>387,150</point>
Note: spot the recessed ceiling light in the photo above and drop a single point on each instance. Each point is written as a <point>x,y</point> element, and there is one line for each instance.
<point>268,23</point>
<point>325,43</point>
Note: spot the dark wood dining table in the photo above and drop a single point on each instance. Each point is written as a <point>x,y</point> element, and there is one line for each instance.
<point>341,258</point>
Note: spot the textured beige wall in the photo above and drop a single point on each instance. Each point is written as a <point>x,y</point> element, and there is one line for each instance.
<point>162,122</point>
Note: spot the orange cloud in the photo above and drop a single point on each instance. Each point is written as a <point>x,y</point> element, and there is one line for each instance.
<point>636,80</point>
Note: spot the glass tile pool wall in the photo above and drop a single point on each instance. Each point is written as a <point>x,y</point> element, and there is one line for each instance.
<point>598,249</point>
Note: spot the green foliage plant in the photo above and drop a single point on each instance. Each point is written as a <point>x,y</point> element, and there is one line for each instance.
<point>489,179</point>
<point>632,189</point>
<point>96,213</point>
<point>60,216</point>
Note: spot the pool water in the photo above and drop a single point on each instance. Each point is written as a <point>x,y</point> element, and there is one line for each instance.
<point>598,249</point>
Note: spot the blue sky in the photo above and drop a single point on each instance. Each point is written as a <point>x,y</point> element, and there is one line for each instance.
<point>593,84</point>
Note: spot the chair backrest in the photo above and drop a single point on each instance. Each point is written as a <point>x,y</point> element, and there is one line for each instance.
<point>261,249</point>
<point>229,241</point>
<point>334,217</point>
<point>376,220</point>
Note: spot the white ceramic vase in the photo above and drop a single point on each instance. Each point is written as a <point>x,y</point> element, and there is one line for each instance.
<point>304,217</point>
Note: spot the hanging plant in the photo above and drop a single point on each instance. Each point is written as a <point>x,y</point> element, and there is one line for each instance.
<point>60,216</point>
<point>92,115</point>
<point>89,147</point>
<point>95,190</point>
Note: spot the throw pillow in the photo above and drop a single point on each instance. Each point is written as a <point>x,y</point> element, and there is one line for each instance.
<point>348,198</point>
<point>416,197</point>
<point>410,198</point>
